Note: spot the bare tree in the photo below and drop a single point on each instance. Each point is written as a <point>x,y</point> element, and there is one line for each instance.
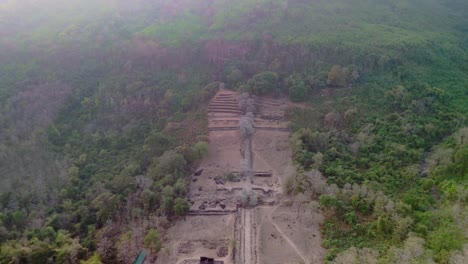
<point>412,251</point>
<point>244,168</point>
<point>459,257</point>
<point>250,115</point>
<point>243,101</point>
<point>249,197</point>
<point>247,129</point>
<point>355,255</point>
<point>247,103</point>
<point>250,105</point>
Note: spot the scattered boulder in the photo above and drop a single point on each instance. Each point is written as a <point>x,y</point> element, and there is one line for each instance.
<point>222,252</point>
<point>212,245</point>
<point>219,180</point>
<point>186,248</point>
<point>236,179</point>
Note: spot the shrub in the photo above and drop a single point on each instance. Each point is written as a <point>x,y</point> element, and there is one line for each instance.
<point>298,90</point>
<point>262,83</point>
<point>153,240</point>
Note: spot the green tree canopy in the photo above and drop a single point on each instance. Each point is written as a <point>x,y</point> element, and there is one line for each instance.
<point>153,240</point>
<point>181,206</point>
<point>263,83</point>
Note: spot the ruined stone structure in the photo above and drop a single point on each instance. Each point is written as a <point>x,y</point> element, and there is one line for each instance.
<point>237,188</point>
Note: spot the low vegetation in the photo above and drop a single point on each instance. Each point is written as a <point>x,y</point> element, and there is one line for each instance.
<point>103,119</point>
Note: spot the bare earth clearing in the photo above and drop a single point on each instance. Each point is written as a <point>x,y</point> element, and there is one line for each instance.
<point>279,230</point>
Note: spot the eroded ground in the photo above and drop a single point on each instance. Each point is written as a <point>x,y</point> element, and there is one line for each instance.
<point>279,230</point>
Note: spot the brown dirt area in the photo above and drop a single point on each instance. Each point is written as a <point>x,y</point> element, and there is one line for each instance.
<point>197,236</point>
<point>278,232</point>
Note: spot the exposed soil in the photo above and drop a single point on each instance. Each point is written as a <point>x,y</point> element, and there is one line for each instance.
<point>216,226</point>
<point>198,236</point>
<point>273,247</point>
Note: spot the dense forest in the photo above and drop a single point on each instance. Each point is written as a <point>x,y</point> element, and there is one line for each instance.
<point>102,118</point>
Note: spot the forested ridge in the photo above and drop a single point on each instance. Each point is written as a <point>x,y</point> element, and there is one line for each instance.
<point>103,119</point>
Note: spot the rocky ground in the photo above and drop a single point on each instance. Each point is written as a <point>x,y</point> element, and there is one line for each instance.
<point>279,230</point>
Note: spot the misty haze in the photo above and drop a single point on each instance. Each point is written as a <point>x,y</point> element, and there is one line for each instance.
<point>234,131</point>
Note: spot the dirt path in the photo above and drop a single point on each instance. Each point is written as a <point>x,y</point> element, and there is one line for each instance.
<point>248,245</point>
<point>259,238</point>
<point>290,242</point>
<point>270,217</point>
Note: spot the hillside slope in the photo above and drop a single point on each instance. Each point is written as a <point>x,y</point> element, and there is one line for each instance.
<point>102,119</point>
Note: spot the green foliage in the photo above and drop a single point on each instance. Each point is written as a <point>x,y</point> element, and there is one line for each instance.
<point>385,149</point>
<point>156,143</point>
<point>263,83</point>
<point>133,78</point>
<point>327,201</point>
<point>418,199</point>
<point>200,149</point>
<point>60,247</point>
<point>92,260</point>
<point>298,91</point>
<point>443,240</point>
<point>170,162</point>
<point>153,240</point>
<point>338,76</point>
<point>181,206</point>
<point>229,176</point>
<point>180,187</point>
